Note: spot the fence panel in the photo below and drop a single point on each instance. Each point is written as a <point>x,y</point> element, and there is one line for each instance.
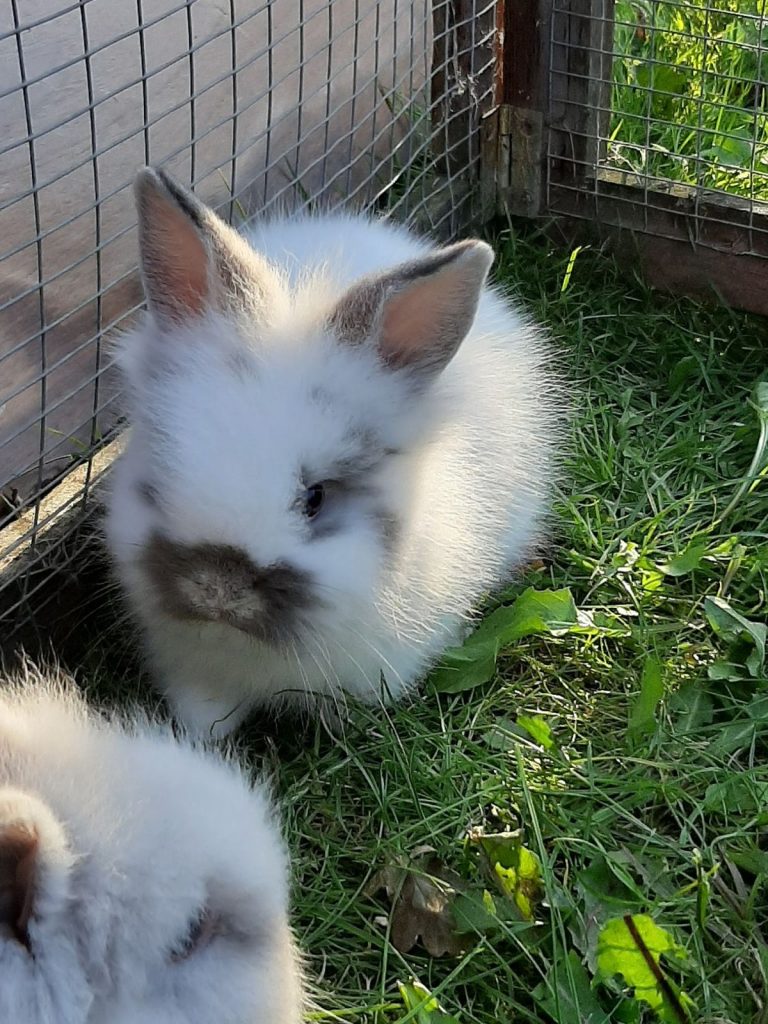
<point>658,136</point>
<point>371,103</point>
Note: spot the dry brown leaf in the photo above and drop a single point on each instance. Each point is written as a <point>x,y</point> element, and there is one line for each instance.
<point>422,893</point>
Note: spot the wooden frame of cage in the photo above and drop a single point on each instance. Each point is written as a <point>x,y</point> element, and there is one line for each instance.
<point>554,102</point>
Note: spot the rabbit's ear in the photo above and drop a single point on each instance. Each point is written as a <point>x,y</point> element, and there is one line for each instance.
<point>35,863</point>
<point>418,314</point>
<point>191,260</point>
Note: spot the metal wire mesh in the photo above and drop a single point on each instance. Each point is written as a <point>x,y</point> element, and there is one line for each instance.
<point>375,103</point>
<point>659,108</point>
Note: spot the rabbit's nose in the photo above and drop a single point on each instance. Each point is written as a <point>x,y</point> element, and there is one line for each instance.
<point>221,583</point>
<point>266,602</point>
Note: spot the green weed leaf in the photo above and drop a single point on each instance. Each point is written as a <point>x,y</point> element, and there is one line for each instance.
<point>521,882</point>
<point>733,736</point>
<point>609,884</point>
<point>538,729</point>
<point>475,914</point>
<point>512,866</point>
<point>693,708</point>
<point>760,398</point>
<point>682,371</point>
<point>534,612</point>
<point>642,717</point>
<point>417,997</point>
<point>632,946</point>
<point>463,668</point>
<point>661,78</point>
<point>688,560</point>
<point>721,670</point>
<point>746,639</point>
<point>745,793</point>
<point>732,150</point>
<point>567,995</point>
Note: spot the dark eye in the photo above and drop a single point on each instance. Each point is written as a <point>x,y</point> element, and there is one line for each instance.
<point>314,497</point>
<point>199,934</point>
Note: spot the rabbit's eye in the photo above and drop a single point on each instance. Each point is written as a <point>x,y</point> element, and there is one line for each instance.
<point>314,497</point>
<point>199,933</point>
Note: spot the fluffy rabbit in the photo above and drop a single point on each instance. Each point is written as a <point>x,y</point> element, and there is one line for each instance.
<point>141,881</point>
<point>341,439</point>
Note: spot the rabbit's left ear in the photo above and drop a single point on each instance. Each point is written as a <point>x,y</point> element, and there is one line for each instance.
<point>418,314</point>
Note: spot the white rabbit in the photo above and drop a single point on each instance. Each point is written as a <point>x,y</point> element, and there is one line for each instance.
<point>341,440</point>
<point>142,881</point>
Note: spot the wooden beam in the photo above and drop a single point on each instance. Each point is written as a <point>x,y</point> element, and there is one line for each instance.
<point>522,139</point>
<point>463,80</point>
<point>708,245</point>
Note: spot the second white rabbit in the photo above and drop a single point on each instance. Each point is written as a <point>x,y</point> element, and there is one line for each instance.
<point>142,881</point>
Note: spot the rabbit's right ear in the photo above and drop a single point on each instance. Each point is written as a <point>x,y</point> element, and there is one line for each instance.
<point>191,260</point>
<point>418,314</point>
<point>35,863</point>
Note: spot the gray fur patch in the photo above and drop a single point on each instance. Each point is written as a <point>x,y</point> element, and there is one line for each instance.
<point>351,470</point>
<point>342,495</point>
<point>321,397</point>
<point>388,525</point>
<point>351,489</point>
<point>148,493</point>
<point>349,473</point>
<point>220,583</point>
<point>241,363</point>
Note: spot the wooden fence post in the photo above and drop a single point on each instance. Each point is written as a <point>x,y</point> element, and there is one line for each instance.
<point>523,112</point>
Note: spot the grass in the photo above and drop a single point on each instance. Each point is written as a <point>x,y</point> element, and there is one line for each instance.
<point>629,749</point>
<point>666,818</point>
<point>689,101</point>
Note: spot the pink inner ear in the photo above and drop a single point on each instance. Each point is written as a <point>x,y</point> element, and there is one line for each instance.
<point>176,262</point>
<point>18,860</point>
<point>414,318</point>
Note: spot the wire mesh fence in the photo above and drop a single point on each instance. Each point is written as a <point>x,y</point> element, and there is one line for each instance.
<point>372,103</point>
<point>688,95</point>
<point>641,118</point>
<point>659,125</point>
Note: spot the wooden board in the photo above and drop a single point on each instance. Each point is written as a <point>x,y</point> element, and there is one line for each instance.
<point>704,244</point>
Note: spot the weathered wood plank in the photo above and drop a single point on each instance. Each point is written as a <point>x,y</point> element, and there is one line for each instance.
<point>465,59</point>
<point>522,137</point>
<point>710,246</point>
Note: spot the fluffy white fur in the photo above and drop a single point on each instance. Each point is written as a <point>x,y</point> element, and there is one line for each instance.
<point>228,405</point>
<point>131,834</point>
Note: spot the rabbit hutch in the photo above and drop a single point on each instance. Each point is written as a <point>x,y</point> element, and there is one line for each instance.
<point>606,119</point>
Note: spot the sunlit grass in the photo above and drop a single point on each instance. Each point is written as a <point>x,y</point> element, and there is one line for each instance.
<point>661,510</point>
<point>664,434</point>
